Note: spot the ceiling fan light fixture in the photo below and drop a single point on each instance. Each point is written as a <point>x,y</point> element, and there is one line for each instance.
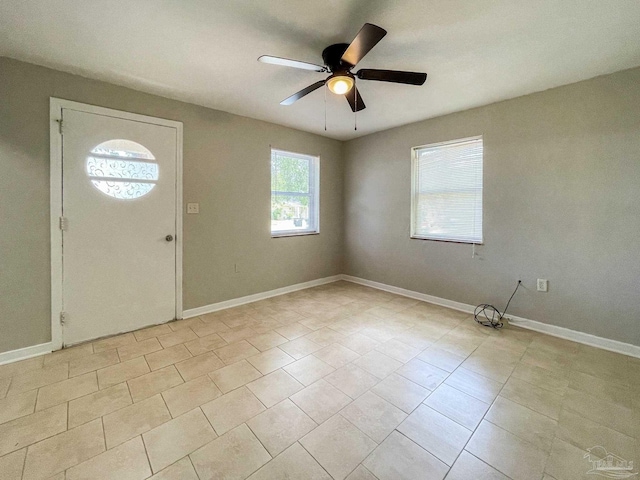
<point>339,61</point>
<point>340,84</point>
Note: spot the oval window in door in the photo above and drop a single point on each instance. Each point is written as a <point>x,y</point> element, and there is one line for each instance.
<point>122,169</point>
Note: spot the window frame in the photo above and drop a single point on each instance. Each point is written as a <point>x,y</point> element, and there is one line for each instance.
<point>414,188</point>
<point>314,193</point>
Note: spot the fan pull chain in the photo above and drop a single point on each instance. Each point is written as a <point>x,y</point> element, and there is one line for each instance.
<point>355,114</point>
<point>325,108</point>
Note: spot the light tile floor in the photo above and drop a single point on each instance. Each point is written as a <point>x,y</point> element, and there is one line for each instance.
<point>338,381</point>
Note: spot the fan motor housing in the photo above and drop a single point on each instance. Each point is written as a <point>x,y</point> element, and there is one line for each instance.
<point>332,56</point>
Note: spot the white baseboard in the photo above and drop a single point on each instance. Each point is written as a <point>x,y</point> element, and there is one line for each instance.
<point>553,330</point>
<point>235,302</point>
<point>575,336</point>
<point>443,302</point>
<point>24,353</point>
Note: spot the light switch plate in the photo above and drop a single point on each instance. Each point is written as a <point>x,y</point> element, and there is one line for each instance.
<point>193,208</point>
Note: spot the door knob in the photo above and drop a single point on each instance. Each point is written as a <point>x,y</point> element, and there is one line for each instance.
<point>169,238</point>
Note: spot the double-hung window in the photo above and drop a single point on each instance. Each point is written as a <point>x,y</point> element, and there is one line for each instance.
<point>447,191</point>
<point>294,193</point>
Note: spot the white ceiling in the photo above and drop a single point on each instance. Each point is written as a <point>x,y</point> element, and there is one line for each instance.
<point>476,52</point>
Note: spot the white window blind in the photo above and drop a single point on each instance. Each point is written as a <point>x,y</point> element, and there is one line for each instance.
<point>447,191</point>
<point>294,193</point>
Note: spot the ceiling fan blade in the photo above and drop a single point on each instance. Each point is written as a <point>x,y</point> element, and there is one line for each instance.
<point>351,98</point>
<point>285,62</point>
<point>367,38</point>
<point>395,76</point>
<point>302,93</point>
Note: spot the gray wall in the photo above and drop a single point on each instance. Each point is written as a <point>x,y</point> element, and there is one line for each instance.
<point>226,170</point>
<point>561,201</point>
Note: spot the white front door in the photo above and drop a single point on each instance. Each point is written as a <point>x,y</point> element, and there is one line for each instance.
<point>119,208</point>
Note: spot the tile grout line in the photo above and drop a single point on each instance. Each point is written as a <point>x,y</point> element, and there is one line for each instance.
<point>316,460</point>
<point>146,452</point>
<point>259,441</point>
<point>68,411</point>
<point>24,461</point>
<point>167,406</point>
<point>490,466</point>
<point>104,434</point>
<point>208,421</point>
<point>193,466</point>
<point>311,455</point>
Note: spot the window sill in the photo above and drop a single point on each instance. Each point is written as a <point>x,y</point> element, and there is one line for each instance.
<point>464,242</point>
<point>293,234</point>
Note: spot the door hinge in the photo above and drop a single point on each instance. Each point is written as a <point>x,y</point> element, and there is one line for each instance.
<point>60,126</point>
<point>63,223</point>
<point>63,318</point>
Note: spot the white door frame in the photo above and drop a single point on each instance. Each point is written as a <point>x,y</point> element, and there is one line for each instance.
<point>55,129</point>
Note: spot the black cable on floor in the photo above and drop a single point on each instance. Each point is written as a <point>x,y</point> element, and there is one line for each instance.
<point>492,316</point>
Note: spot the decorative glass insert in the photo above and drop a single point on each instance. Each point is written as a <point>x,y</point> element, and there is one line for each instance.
<point>118,168</point>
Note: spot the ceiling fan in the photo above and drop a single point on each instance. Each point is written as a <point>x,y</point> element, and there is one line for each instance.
<point>339,59</point>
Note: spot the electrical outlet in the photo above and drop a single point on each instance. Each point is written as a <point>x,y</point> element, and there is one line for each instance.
<point>543,285</point>
<point>193,208</point>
